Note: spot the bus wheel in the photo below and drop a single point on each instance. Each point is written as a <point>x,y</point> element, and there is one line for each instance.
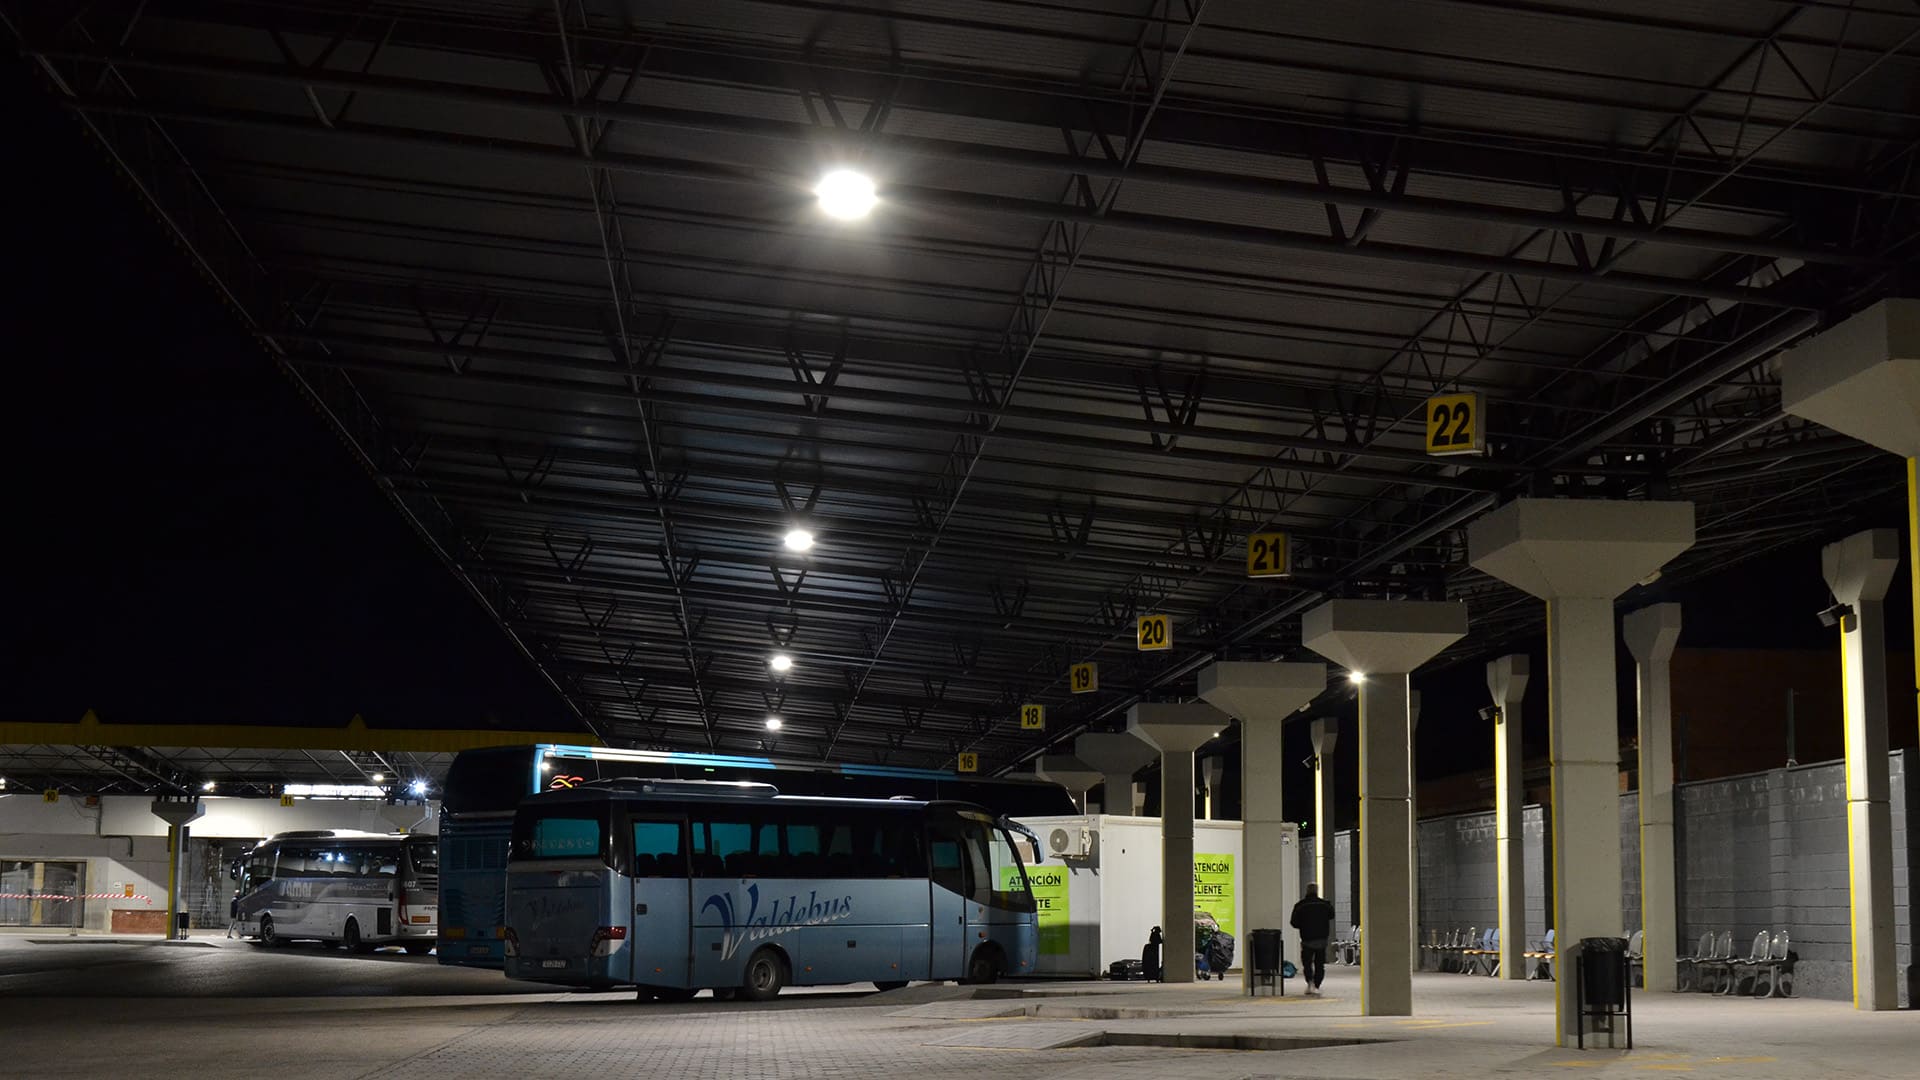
<point>984,968</point>
<point>889,985</point>
<point>675,995</point>
<point>643,993</point>
<point>266,932</point>
<point>419,948</point>
<point>766,974</point>
<point>351,937</point>
<point>725,993</point>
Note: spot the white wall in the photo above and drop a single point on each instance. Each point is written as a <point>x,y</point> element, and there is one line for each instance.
<point>123,844</point>
<point>1114,897</point>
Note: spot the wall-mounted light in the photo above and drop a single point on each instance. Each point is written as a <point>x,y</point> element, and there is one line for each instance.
<point>1836,615</point>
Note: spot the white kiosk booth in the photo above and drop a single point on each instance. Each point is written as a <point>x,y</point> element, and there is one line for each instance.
<point>1098,888</point>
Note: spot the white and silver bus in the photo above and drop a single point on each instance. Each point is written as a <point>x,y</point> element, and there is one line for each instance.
<point>675,886</point>
<point>362,890</point>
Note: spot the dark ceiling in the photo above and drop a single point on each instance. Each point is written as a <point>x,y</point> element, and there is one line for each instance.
<point>1145,278</point>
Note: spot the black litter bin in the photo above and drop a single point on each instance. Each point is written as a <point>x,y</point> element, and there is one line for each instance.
<point>1600,979</point>
<point>1264,964</point>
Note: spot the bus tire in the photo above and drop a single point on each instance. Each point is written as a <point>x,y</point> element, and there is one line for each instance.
<point>725,993</point>
<point>675,995</point>
<point>890,984</point>
<point>351,938</point>
<point>766,974</point>
<point>984,968</point>
<point>267,937</point>
<point>418,948</point>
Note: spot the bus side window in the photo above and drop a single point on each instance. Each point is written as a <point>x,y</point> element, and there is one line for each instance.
<point>979,864</point>
<point>657,849</point>
<point>949,860</point>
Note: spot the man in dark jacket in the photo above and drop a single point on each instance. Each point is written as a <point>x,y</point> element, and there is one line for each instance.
<point>1313,917</point>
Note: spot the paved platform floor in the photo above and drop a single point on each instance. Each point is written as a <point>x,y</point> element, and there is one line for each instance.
<point>220,1009</point>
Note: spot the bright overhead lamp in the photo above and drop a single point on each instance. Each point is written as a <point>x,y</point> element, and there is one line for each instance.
<point>1356,677</point>
<point>379,778</point>
<point>798,540</point>
<point>208,786</point>
<point>781,662</point>
<point>418,787</point>
<point>773,723</point>
<point>846,194</point>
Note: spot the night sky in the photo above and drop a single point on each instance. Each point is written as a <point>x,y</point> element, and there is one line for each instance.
<point>191,542</point>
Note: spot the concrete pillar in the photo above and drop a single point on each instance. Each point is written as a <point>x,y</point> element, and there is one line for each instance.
<point>1859,569</point>
<point>1862,378</point>
<point>1326,732</point>
<point>1070,773</point>
<point>1262,697</point>
<point>177,812</point>
<point>1176,730</point>
<point>1212,771</point>
<point>1413,816</point>
<point>1382,641</point>
<point>1117,755</point>
<point>1578,555</point>
<point>1651,633</point>
<point>1507,682</point>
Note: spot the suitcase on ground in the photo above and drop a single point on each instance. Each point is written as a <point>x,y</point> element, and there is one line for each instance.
<point>1126,969</point>
<point>1220,951</point>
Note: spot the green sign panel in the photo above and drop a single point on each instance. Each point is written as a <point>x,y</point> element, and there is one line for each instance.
<point>1213,889</point>
<point>1050,888</point>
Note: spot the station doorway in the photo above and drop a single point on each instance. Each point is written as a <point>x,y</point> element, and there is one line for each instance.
<point>42,893</point>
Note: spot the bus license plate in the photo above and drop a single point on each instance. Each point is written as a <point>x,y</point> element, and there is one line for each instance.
<point>478,950</point>
<point>553,963</point>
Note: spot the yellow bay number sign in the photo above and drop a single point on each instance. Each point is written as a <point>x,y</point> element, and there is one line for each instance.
<point>1033,717</point>
<point>1454,425</point>
<point>1156,633</point>
<point>1269,555</point>
<point>1083,678</point>
<point>968,762</point>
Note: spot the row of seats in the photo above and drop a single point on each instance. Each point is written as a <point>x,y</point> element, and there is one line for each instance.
<point>1713,969</point>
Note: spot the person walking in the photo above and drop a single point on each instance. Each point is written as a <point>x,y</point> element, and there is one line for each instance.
<point>1313,917</point>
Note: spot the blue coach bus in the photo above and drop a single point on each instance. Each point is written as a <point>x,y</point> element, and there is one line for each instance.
<point>484,786</point>
<point>675,886</point>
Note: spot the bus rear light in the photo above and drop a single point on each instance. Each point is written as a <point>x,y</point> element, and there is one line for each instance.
<point>511,939</point>
<point>607,940</point>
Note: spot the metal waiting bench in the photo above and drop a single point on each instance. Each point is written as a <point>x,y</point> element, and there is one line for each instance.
<point>1542,957</point>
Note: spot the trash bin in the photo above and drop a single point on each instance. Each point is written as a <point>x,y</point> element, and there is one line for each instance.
<point>1603,971</point>
<point>1266,963</point>
<point>1600,987</point>
<point>1266,946</point>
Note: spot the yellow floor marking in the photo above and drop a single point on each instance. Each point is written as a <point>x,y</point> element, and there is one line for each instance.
<point>1577,1064</point>
<point>1741,1060</point>
<point>1665,1068</point>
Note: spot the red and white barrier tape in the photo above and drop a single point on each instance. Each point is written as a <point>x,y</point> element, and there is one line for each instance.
<point>59,896</point>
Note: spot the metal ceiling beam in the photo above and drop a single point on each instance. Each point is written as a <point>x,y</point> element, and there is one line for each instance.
<point>952,151</point>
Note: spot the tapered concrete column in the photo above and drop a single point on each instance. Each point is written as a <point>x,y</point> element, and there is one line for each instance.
<point>1326,732</point>
<point>1384,640</point>
<point>178,812</point>
<point>1413,817</point>
<point>1262,697</point>
<point>1577,555</point>
<point>1651,633</point>
<point>1858,570</point>
<point>1213,770</point>
<point>1176,730</point>
<point>1507,682</point>
<point>1117,755</point>
<point>1070,773</point>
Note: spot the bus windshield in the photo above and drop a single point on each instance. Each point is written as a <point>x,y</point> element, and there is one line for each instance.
<point>425,857</point>
<point>561,831</point>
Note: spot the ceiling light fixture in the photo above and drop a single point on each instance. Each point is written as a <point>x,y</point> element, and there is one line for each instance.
<point>798,540</point>
<point>379,778</point>
<point>208,786</point>
<point>1356,677</point>
<point>418,787</point>
<point>781,662</point>
<point>773,723</point>
<point>846,194</point>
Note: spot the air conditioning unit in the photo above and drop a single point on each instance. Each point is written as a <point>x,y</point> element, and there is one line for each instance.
<point>1072,842</point>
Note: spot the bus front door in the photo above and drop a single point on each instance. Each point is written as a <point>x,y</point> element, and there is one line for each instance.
<point>947,853</point>
<point>660,941</point>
